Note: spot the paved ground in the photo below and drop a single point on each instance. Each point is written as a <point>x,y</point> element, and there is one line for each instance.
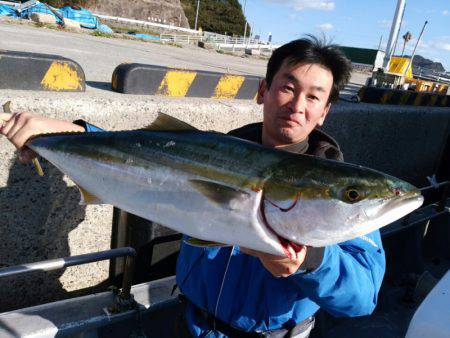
<point>99,56</point>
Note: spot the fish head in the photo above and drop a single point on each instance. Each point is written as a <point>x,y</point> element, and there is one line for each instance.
<point>333,202</point>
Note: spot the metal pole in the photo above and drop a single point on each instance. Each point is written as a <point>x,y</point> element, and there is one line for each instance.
<point>394,29</point>
<point>196,15</point>
<point>399,28</point>
<point>414,51</point>
<point>381,40</point>
<point>55,264</point>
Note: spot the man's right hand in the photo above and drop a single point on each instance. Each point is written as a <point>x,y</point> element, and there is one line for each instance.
<point>18,128</point>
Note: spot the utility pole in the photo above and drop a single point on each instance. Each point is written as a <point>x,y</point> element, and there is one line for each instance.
<point>196,15</point>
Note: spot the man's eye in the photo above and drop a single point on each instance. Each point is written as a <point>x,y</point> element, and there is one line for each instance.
<point>313,97</point>
<point>288,89</point>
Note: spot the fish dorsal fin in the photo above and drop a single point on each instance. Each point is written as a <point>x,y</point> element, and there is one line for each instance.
<point>166,122</point>
<point>88,198</point>
<point>229,197</point>
<point>202,243</point>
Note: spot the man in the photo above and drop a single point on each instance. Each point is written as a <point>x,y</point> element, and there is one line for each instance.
<point>237,292</point>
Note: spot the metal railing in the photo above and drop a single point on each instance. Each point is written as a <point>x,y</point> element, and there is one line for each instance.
<point>145,23</point>
<point>59,263</point>
<point>219,41</point>
<point>181,39</point>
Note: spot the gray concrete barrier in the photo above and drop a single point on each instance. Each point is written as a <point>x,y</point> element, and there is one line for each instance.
<point>407,142</point>
<point>41,218</point>
<point>32,71</point>
<point>402,97</point>
<point>134,78</point>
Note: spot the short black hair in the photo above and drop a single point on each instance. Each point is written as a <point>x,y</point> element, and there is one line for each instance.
<point>315,51</point>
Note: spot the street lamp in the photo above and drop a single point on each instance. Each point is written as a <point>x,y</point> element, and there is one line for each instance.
<point>196,14</point>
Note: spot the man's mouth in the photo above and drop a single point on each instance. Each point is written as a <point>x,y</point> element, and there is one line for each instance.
<point>291,120</point>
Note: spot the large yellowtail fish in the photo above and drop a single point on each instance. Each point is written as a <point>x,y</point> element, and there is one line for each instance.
<point>219,188</point>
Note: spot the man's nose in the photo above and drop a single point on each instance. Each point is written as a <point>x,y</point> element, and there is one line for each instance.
<point>298,104</point>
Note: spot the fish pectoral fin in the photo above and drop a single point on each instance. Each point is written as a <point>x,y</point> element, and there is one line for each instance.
<point>166,122</point>
<point>203,244</point>
<point>224,195</point>
<point>88,198</point>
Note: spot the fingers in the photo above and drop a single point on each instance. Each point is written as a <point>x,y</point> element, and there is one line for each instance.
<point>13,126</point>
<point>7,124</point>
<point>14,130</point>
<point>19,135</point>
<point>5,117</point>
<point>18,128</point>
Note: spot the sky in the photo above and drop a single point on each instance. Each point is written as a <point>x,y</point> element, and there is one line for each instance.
<point>355,23</point>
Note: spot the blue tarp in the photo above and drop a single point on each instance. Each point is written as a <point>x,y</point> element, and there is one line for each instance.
<point>8,11</point>
<point>105,29</point>
<point>82,15</point>
<point>145,36</point>
<point>38,8</point>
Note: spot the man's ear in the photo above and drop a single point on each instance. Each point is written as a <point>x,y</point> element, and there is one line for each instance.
<point>324,114</point>
<point>261,91</point>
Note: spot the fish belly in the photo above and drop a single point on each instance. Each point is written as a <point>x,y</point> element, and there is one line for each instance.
<point>164,195</point>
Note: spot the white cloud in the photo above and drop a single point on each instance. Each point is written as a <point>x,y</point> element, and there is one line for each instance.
<point>445,46</point>
<point>298,5</point>
<point>442,43</point>
<point>446,12</point>
<point>325,26</point>
<point>384,23</point>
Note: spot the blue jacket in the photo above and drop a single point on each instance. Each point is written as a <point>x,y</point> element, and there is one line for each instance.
<point>345,283</point>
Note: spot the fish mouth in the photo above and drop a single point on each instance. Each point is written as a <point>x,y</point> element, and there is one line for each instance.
<point>397,208</point>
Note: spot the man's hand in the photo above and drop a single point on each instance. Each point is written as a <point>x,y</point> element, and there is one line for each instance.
<point>18,128</point>
<point>279,266</point>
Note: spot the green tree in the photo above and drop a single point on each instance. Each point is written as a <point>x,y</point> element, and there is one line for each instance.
<point>218,16</point>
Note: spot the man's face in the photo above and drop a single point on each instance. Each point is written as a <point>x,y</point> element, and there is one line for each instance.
<point>295,103</point>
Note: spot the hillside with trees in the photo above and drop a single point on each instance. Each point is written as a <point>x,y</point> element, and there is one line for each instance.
<point>219,16</point>
<point>420,61</point>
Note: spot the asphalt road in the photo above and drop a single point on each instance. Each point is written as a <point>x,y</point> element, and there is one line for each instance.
<point>99,56</point>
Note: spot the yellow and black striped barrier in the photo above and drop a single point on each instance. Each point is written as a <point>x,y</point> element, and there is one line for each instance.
<point>32,71</point>
<point>133,78</point>
<point>402,97</point>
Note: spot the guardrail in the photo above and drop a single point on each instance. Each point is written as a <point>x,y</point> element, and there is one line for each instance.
<point>182,39</point>
<point>146,23</point>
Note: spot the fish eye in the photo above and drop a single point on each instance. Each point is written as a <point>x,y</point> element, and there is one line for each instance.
<point>352,195</point>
